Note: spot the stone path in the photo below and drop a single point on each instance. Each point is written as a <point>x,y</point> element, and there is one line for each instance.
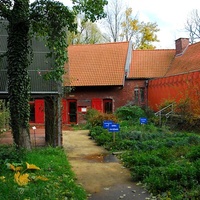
<point>101,174</point>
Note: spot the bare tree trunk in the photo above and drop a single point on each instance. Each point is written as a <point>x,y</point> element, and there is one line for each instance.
<point>114,18</point>
<point>24,139</point>
<point>52,118</point>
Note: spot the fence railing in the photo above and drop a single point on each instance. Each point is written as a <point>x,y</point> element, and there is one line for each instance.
<point>162,112</point>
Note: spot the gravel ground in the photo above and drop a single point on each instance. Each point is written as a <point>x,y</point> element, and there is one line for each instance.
<point>101,174</point>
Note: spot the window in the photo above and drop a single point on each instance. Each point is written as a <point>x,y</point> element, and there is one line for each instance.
<point>107,106</point>
<point>139,96</point>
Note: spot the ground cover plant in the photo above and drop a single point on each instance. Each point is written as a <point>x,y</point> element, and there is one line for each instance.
<point>166,162</point>
<point>42,173</point>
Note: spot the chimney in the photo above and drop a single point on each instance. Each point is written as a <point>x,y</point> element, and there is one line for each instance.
<point>181,45</point>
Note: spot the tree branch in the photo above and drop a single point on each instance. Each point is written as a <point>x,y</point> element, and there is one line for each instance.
<point>5,6</point>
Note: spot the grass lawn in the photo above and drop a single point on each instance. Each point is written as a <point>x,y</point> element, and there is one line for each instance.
<point>53,180</point>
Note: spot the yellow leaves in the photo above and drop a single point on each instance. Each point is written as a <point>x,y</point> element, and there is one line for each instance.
<point>21,179</point>
<point>42,178</point>
<point>32,166</point>
<point>20,168</point>
<point>13,168</point>
<point>134,24</point>
<point>128,12</point>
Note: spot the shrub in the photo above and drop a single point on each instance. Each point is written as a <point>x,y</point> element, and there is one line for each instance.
<point>104,139</point>
<point>150,114</point>
<point>10,154</point>
<point>194,153</point>
<point>168,163</point>
<point>101,135</point>
<point>95,131</point>
<point>97,120</point>
<point>176,176</point>
<point>166,103</point>
<point>91,113</point>
<point>130,113</point>
<point>140,172</point>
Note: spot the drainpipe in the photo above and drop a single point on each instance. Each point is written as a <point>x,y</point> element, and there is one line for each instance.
<point>146,88</point>
<point>59,114</point>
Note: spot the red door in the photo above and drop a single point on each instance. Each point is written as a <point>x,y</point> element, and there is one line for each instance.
<point>39,111</point>
<point>97,104</point>
<point>72,111</point>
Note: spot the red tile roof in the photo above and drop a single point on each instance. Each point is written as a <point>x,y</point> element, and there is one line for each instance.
<point>150,63</point>
<point>96,64</point>
<point>189,61</point>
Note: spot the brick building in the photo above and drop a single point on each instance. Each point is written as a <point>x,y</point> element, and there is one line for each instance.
<point>108,76</point>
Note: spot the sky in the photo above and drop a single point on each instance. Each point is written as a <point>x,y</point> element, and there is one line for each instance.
<point>170,16</point>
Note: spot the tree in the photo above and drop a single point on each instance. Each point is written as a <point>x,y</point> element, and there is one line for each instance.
<point>130,26</point>
<point>121,26</point>
<point>115,15</point>
<point>193,26</point>
<point>46,19</point>
<point>147,35</point>
<point>142,34</point>
<point>87,33</point>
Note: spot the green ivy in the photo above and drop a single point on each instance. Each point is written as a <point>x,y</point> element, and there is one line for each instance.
<point>18,78</point>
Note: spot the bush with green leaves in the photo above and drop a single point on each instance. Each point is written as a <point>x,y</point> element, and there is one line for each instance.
<point>101,135</point>
<point>96,118</point>
<point>130,113</point>
<point>194,154</point>
<point>178,178</point>
<point>166,168</point>
<point>10,154</point>
<point>91,113</point>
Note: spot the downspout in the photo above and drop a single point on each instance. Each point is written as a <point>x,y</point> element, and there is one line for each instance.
<point>128,61</point>
<point>146,89</point>
<point>59,114</point>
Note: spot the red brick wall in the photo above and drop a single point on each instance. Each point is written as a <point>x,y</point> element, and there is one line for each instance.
<point>175,88</point>
<point>120,95</point>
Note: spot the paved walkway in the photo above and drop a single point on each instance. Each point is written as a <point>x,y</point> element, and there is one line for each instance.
<point>101,174</point>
